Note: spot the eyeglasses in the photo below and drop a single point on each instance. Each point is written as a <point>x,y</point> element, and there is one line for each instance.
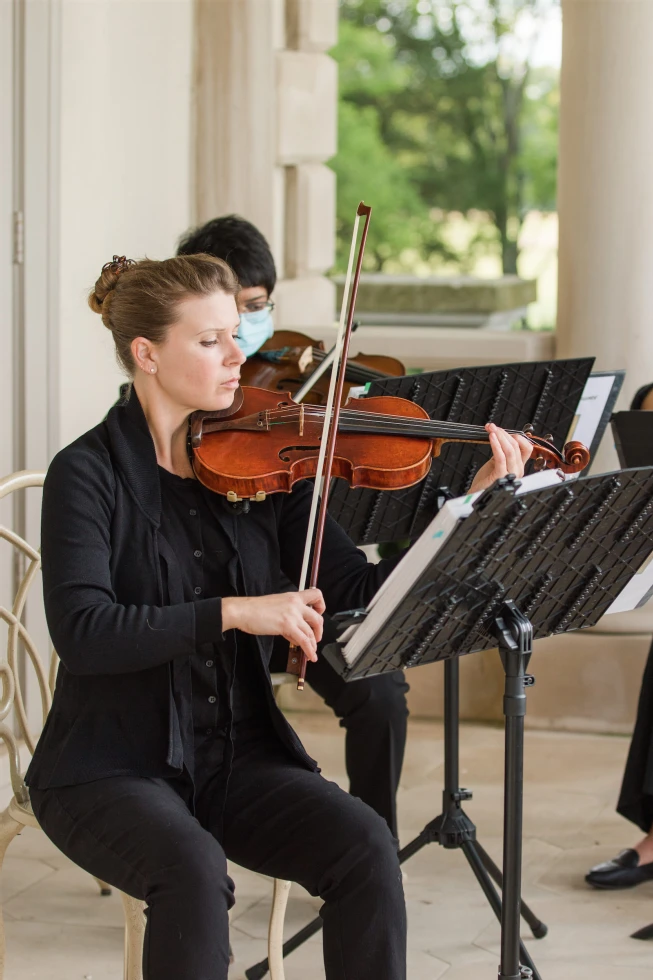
<point>258,307</point>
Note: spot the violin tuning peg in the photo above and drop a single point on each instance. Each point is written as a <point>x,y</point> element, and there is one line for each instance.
<point>548,437</point>
<point>528,429</point>
<point>538,463</point>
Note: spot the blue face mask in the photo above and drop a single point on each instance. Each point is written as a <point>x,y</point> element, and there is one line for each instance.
<point>254,330</point>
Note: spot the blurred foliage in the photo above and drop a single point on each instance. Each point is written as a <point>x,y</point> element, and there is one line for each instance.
<point>441,111</point>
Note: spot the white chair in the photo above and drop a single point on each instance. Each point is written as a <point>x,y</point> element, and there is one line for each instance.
<point>19,812</point>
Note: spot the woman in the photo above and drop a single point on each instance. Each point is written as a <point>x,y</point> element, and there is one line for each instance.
<point>373,711</point>
<point>164,753</point>
<point>634,865</point>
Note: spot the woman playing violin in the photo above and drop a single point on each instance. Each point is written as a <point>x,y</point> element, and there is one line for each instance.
<point>373,712</point>
<point>164,753</point>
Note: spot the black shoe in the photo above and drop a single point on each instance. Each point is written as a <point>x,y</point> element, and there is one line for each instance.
<point>623,871</point>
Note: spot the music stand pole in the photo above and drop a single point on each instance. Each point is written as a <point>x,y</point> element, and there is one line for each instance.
<point>515,635</point>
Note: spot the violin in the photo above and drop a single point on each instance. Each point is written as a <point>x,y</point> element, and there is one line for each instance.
<point>269,442</point>
<point>286,361</point>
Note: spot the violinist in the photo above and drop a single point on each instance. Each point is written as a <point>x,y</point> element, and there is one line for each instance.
<point>373,711</point>
<point>164,753</point>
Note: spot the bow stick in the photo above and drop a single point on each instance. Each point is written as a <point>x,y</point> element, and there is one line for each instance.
<point>297,660</point>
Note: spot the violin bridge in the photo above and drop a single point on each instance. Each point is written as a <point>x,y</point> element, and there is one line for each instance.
<point>301,419</point>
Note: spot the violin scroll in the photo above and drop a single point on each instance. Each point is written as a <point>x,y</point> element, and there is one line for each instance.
<point>576,455</point>
<point>573,458</point>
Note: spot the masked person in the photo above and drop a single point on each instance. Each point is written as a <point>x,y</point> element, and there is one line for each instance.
<point>372,711</point>
<point>164,753</point>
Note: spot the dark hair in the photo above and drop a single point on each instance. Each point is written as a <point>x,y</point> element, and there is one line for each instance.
<point>237,242</point>
<point>140,299</point>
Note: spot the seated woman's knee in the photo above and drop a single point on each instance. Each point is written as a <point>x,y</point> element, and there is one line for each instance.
<point>199,868</point>
<point>372,845</point>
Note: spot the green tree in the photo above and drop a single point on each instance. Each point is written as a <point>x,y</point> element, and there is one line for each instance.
<point>455,105</point>
<point>367,167</point>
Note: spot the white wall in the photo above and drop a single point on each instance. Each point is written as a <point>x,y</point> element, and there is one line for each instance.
<point>124,171</point>
<point>6,269</point>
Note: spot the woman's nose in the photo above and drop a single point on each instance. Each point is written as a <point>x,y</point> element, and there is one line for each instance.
<point>236,355</point>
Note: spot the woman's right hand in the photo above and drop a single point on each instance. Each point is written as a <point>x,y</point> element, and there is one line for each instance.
<point>297,616</point>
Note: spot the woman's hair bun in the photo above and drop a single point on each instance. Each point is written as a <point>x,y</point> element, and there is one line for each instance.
<point>111,272</point>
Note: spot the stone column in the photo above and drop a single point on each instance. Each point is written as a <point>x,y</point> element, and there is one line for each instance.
<point>605,304</point>
<point>265,123</point>
<point>605,190</point>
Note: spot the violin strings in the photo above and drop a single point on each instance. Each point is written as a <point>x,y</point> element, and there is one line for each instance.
<point>291,415</point>
<point>315,413</point>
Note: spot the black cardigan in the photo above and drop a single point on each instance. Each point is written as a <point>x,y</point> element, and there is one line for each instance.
<point>121,628</point>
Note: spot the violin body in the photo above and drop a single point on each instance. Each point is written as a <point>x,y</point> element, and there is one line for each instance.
<point>297,355</point>
<point>268,442</point>
<point>253,462</point>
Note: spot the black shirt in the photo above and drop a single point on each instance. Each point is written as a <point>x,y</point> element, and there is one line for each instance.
<point>228,685</point>
<point>126,636</point>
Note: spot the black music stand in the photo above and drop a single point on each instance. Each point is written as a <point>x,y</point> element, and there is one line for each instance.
<point>518,568</point>
<point>633,437</point>
<point>545,394</point>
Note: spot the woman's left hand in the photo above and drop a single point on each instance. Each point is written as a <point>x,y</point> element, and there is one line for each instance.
<point>509,455</point>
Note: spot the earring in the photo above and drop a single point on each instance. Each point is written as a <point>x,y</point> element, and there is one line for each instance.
<point>151,370</point>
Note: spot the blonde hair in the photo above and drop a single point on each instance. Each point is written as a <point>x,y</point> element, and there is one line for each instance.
<point>140,299</point>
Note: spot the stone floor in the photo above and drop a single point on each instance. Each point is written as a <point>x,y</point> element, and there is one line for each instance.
<point>58,927</point>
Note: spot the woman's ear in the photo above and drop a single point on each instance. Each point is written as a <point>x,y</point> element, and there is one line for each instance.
<point>143,354</point>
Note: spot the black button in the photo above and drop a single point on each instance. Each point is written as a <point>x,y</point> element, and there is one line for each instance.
<point>198,554</point>
<point>198,589</point>
<point>209,663</point>
<point>212,699</point>
<point>192,512</point>
<point>208,731</point>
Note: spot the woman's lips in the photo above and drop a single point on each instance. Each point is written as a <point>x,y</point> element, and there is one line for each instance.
<point>231,383</point>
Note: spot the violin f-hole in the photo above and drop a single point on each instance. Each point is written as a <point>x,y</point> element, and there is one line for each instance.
<point>285,458</point>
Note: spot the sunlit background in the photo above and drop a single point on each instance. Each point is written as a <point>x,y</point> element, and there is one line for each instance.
<point>448,121</point>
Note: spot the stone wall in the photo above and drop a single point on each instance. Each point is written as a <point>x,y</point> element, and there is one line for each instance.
<point>265,123</point>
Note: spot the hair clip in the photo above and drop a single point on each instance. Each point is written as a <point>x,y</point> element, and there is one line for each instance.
<point>118,264</point>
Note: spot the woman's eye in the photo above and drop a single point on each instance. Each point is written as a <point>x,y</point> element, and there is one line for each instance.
<point>208,343</point>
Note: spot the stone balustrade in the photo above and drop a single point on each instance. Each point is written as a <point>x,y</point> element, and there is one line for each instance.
<point>454,301</point>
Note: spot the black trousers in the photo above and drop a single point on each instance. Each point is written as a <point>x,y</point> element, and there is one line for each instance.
<point>636,796</point>
<point>276,818</point>
<point>374,714</point>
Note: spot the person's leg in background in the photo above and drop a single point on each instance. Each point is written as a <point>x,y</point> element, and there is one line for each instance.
<point>634,865</point>
<point>374,714</point>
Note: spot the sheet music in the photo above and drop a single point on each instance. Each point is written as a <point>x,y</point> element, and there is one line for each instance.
<point>594,408</point>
